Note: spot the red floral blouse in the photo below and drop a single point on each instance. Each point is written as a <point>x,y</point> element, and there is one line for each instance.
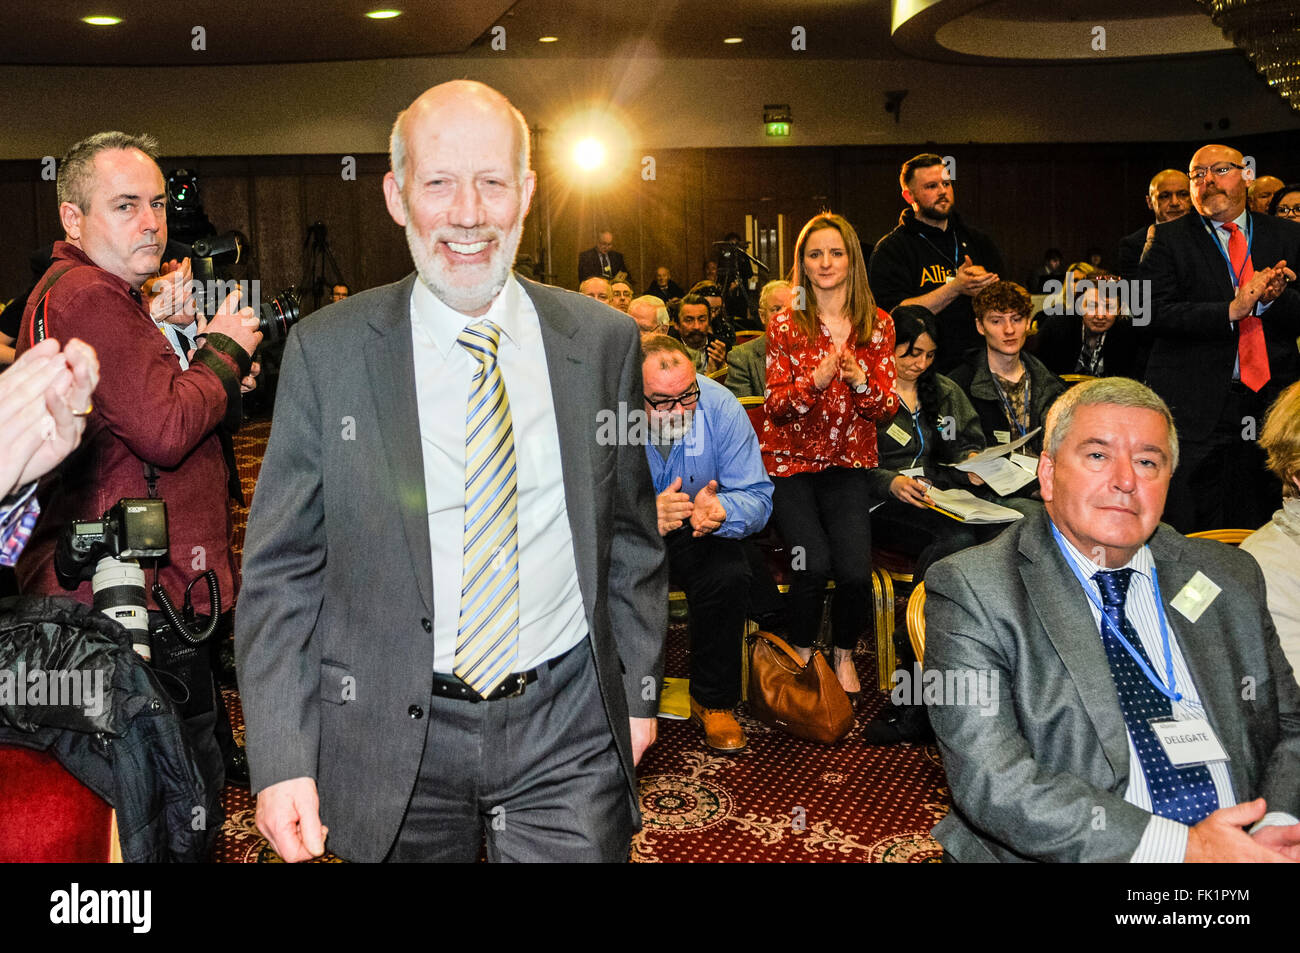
<point>806,430</point>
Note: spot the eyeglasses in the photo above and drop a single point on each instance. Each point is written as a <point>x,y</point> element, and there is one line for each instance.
<point>1289,211</point>
<point>685,398</point>
<point>1221,169</point>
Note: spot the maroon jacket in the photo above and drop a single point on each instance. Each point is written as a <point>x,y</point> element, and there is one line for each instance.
<point>146,410</point>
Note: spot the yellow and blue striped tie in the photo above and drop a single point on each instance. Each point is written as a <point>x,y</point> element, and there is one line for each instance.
<point>487,643</point>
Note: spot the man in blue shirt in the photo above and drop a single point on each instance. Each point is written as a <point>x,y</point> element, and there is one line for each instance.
<point>712,491</point>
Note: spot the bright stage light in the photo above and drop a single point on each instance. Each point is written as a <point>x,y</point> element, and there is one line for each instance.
<point>589,154</point>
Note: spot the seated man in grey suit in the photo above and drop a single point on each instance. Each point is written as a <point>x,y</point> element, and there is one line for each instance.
<point>1138,704</point>
<point>455,592</point>
<point>747,363</point>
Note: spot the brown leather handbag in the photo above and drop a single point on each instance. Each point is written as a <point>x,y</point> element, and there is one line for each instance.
<point>805,700</point>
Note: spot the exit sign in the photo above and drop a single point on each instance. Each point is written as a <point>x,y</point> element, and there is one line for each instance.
<point>778,129</point>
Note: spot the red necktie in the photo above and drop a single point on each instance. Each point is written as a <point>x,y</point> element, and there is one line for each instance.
<point>1252,353</point>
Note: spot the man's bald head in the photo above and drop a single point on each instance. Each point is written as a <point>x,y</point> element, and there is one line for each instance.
<point>1169,195</point>
<point>457,96</point>
<point>1218,197</point>
<point>1262,191</point>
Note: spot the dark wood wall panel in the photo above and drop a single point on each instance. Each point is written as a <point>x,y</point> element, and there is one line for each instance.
<point>1027,197</point>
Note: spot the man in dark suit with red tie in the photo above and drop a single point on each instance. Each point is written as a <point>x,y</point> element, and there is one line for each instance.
<point>601,261</point>
<point>1224,326</point>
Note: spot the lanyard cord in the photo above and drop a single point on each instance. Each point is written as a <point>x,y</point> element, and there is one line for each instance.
<point>1235,276</point>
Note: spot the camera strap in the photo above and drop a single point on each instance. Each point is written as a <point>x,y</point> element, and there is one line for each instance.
<point>40,319</point>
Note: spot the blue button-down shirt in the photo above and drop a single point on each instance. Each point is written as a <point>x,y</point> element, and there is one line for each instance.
<point>721,446</point>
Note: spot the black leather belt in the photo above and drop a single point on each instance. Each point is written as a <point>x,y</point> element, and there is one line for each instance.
<point>512,686</point>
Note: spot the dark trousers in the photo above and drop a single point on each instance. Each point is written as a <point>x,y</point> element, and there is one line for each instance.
<point>1222,481</point>
<point>537,775</point>
<point>924,533</point>
<point>824,522</point>
<point>714,573</point>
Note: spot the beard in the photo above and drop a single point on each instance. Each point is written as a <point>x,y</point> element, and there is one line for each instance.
<point>451,283</point>
<point>672,426</point>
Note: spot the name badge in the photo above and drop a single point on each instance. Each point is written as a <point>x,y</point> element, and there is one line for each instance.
<point>913,472</point>
<point>900,436</point>
<point>1002,436</point>
<point>1188,741</point>
<point>1195,597</point>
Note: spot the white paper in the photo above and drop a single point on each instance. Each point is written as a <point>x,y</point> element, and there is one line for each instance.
<point>969,508</point>
<point>990,453</point>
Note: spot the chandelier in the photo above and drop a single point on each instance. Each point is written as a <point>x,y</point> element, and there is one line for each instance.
<point>1269,32</point>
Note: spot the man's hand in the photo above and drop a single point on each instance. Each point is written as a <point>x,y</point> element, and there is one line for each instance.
<point>909,490</point>
<point>717,356</point>
<point>250,382</point>
<point>1220,838</point>
<point>643,736</point>
<point>1281,277</point>
<point>826,371</point>
<point>850,370</point>
<point>238,324</point>
<point>1285,839</point>
<point>288,815</point>
<point>170,295</point>
<point>673,507</point>
<point>1265,285</point>
<point>709,513</point>
<point>971,278</point>
<point>44,399</point>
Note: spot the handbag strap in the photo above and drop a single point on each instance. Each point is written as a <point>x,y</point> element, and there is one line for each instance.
<point>783,648</point>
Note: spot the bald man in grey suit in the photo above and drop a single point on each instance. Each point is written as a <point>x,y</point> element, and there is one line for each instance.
<point>362,721</point>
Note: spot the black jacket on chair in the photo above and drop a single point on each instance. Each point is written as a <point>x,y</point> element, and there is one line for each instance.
<point>134,752</point>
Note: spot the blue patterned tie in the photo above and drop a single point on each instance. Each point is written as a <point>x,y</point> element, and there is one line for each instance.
<point>487,643</point>
<point>1185,795</point>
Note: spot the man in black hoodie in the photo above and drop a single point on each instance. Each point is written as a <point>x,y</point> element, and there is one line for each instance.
<point>933,259</point>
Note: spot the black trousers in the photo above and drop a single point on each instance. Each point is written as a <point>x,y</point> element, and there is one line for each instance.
<point>1222,481</point>
<point>825,523</point>
<point>924,533</point>
<point>715,575</point>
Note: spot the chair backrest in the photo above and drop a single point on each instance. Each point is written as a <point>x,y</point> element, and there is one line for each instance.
<point>743,336</point>
<point>720,374</point>
<point>756,411</point>
<point>916,621</point>
<point>1072,379</point>
<point>1233,537</point>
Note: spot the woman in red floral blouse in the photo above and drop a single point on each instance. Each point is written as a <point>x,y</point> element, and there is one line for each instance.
<point>830,374</point>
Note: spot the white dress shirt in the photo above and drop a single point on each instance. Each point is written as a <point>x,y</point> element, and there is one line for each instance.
<point>551,615</point>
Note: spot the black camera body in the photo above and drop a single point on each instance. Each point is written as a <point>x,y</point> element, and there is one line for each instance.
<point>131,529</point>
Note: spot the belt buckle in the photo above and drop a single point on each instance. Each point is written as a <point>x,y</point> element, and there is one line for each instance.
<point>521,682</point>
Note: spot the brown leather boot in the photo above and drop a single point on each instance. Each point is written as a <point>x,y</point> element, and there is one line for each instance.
<point>721,730</point>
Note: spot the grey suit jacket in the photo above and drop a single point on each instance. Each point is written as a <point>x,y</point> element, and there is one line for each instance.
<point>1044,777</point>
<point>747,368</point>
<point>333,639</point>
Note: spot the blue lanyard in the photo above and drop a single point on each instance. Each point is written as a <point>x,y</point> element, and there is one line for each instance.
<point>1250,243</point>
<point>916,424</point>
<point>1171,692</point>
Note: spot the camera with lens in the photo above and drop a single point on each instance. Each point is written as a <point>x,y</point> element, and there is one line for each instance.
<point>275,317</point>
<point>106,551</point>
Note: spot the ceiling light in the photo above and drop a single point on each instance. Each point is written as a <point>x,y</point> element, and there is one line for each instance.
<point>589,154</point>
<point>734,39</point>
<point>383,14</point>
<point>547,39</point>
<point>102,21</point>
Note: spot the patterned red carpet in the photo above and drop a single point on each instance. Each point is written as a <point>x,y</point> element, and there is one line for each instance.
<point>781,800</point>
